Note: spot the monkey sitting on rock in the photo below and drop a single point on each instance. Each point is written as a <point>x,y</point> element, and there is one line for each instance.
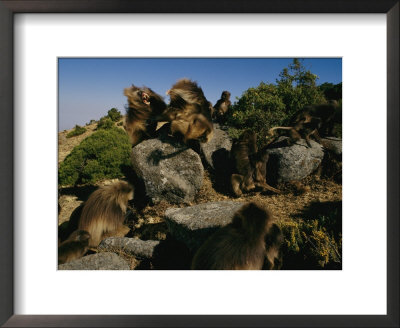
<point>250,165</point>
<point>241,245</point>
<point>189,112</point>
<point>222,107</point>
<point>104,211</point>
<point>312,121</point>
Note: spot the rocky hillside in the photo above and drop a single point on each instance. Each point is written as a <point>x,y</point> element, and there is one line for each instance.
<point>170,178</point>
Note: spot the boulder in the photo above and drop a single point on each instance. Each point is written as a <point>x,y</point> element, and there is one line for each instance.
<point>216,151</point>
<point>294,162</point>
<point>333,144</point>
<point>100,261</point>
<point>136,247</point>
<point>192,225</point>
<point>169,169</point>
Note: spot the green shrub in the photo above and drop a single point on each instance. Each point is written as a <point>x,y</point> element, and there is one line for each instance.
<point>102,155</point>
<point>297,88</point>
<point>91,122</point>
<point>313,243</point>
<point>269,105</point>
<point>258,109</point>
<point>78,130</point>
<point>114,114</point>
<point>105,123</point>
<point>332,91</point>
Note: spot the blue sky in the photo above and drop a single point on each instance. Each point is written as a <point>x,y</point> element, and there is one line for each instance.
<point>89,87</point>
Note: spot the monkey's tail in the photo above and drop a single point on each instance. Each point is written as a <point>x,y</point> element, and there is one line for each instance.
<point>271,132</point>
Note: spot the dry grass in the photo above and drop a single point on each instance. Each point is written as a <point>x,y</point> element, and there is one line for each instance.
<point>148,223</point>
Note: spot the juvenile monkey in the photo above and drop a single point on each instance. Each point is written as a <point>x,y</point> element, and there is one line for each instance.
<point>238,246</point>
<point>144,105</point>
<point>104,211</point>
<point>242,153</point>
<point>189,112</point>
<point>260,171</point>
<point>250,164</point>
<point>222,107</point>
<point>74,247</point>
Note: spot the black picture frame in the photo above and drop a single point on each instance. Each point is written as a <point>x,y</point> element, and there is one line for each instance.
<point>7,10</point>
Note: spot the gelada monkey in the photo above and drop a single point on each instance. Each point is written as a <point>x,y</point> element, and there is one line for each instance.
<point>222,107</point>
<point>260,171</point>
<point>238,246</point>
<point>273,254</point>
<point>104,211</point>
<point>144,105</point>
<point>189,112</point>
<point>74,247</point>
<point>312,121</point>
<point>242,152</point>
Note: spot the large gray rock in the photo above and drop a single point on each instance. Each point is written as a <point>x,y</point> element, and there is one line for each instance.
<point>333,144</point>
<point>216,151</point>
<point>192,225</point>
<point>293,162</point>
<point>169,169</point>
<point>100,261</point>
<point>136,247</point>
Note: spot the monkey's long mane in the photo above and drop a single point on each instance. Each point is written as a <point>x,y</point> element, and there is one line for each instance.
<point>229,249</point>
<point>106,204</point>
<point>240,244</point>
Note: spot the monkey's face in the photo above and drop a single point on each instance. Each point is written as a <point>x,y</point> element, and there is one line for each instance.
<point>84,235</point>
<point>79,235</point>
<point>210,107</point>
<point>127,189</point>
<point>137,97</point>
<point>226,95</point>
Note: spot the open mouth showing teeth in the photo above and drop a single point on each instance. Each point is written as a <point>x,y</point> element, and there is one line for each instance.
<point>145,98</point>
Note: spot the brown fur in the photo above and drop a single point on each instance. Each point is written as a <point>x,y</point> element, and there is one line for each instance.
<point>273,242</point>
<point>144,105</point>
<point>105,209</point>
<point>222,107</point>
<point>238,246</point>
<point>74,247</point>
<point>243,149</point>
<point>189,112</point>
<point>260,171</point>
<point>310,122</point>
<point>250,164</point>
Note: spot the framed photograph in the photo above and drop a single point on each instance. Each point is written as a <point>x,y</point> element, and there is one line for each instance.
<point>63,57</point>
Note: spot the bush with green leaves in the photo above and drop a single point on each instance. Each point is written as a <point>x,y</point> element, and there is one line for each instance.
<point>114,114</point>
<point>103,155</point>
<point>105,123</point>
<point>258,109</point>
<point>332,91</point>
<point>91,122</point>
<point>312,243</point>
<point>78,130</point>
<point>269,105</point>
<point>297,88</point>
